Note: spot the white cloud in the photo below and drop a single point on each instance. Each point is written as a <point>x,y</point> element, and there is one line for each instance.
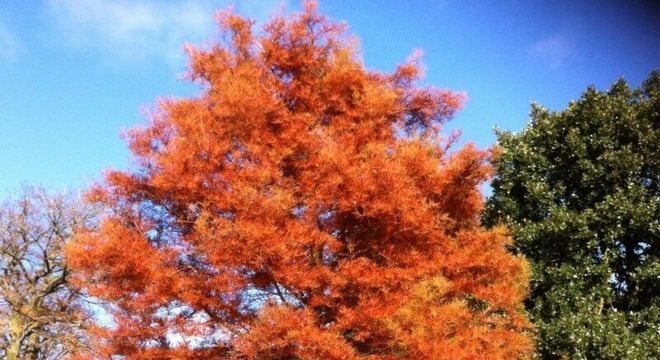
<point>142,29</point>
<point>9,46</point>
<point>555,50</point>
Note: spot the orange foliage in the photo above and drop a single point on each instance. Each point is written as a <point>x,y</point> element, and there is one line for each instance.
<point>301,207</point>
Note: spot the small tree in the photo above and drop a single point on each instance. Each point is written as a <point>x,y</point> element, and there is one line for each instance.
<point>302,208</point>
<point>41,315</point>
<point>580,189</point>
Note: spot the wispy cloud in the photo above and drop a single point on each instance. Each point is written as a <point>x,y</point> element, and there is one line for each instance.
<point>554,50</point>
<point>136,30</point>
<point>132,30</point>
<point>9,45</point>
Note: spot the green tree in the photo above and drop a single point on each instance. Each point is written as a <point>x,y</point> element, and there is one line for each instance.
<point>580,191</point>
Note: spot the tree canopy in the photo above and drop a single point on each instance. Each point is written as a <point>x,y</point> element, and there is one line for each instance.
<point>42,316</point>
<point>301,207</point>
<point>580,189</point>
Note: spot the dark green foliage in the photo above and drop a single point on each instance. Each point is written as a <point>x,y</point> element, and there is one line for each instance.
<point>580,190</point>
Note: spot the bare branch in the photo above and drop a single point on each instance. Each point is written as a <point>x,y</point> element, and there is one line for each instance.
<point>40,312</point>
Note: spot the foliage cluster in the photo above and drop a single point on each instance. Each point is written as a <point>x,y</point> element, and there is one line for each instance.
<point>301,207</point>
<point>580,190</point>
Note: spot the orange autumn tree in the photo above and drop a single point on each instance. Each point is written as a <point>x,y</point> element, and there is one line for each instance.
<point>301,207</point>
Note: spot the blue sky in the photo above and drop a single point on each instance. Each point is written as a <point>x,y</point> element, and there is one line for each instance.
<point>74,73</point>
